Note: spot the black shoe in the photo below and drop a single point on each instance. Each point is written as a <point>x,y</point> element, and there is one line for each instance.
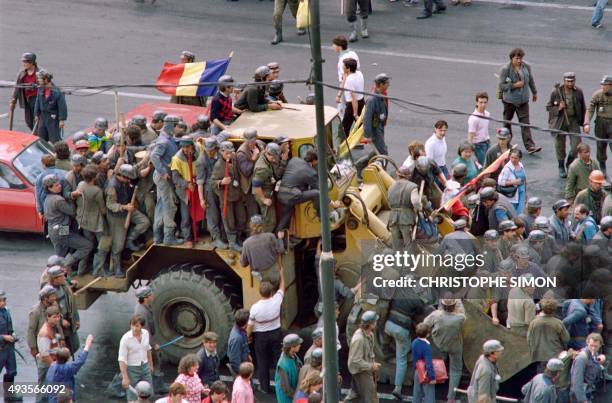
<point>131,245</point>
<point>278,38</point>
<point>397,395</point>
<point>423,15</point>
<point>439,10</point>
<point>533,150</point>
<point>562,173</point>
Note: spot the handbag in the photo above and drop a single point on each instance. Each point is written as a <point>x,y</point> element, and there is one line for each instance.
<point>439,370</point>
<point>508,191</point>
<point>302,18</point>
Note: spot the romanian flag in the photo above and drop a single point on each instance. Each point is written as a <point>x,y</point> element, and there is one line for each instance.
<point>189,76</point>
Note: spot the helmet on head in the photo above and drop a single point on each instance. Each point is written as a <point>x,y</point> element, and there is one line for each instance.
<point>404,172</point>
<point>44,75</point>
<point>423,164</point>
<point>144,389</point>
<point>143,292</point>
<point>459,170</point>
<point>503,133</point>
<point>274,149</point>
<point>491,235</point>
<point>158,116</point>
<point>560,204</point>
<point>273,65</point>
<point>541,222</point>
<point>459,224</point>
<point>292,340</point>
<point>507,225</point>
<point>97,157</point>
<point>317,355</point>
<point>537,235</point>
<point>261,73</point>
<point>597,176</point>
<point>554,364</point>
<point>605,223</point>
<point>203,122</point>
<point>140,121</point>
<point>50,180</point>
<point>55,260</point>
<point>226,81</point>
<point>78,159</point>
<point>249,134</point>
<point>491,346</point>
<point>487,193</point>
<point>28,57</point>
<point>534,202</point>
<point>369,317</point>
<point>80,135</point>
<point>256,220</point>
<point>210,143</point>
<point>472,200</point>
<point>522,252</point>
<point>46,291</point>
<point>226,146</point>
<point>127,171</point>
<point>317,333</point>
<point>382,78</point>
<point>190,56</point>
<point>171,119</point>
<point>276,88</point>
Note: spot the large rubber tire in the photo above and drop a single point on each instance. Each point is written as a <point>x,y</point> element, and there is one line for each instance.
<point>191,300</point>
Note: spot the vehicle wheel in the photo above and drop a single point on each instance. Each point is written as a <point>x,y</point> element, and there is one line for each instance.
<point>191,300</point>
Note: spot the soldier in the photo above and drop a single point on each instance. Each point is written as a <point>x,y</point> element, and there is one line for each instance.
<point>253,98</point>
<point>587,368</point>
<point>246,156</point>
<point>601,104</point>
<point>586,227</point>
<point>37,315</point>
<point>222,110</point>
<point>268,170</point>
<point>447,333</point>
<point>361,361</point>
<point>119,195</point>
<point>491,252</point>
<point>579,171</point>
<point>50,110</point>
<point>8,362</point>
<point>201,128</point>
<point>184,178</point>
<point>376,114</point>
<point>498,207</point>
<point>508,237</point>
<point>484,383</point>
<point>559,222</point>
<point>405,204</point>
<point>317,342</point>
<point>25,88</point>
<point>99,138</point>
<point>503,145</point>
<point>73,178</point>
<point>70,322</point>
<point>314,364</point>
<point>287,369</point>
<point>208,197</point>
<point>277,16</point>
<point>534,208</point>
<point>541,388</point>
<point>546,335</point>
<point>157,122</point>
<point>225,182</point>
<point>460,241</point>
<point>566,109</point>
<point>165,147</point>
<point>262,251</point>
<point>593,196</point>
<point>59,214</point>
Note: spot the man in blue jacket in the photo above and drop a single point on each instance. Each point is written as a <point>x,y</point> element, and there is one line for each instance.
<point>376,113</point>
<point>237,344</point>
<point>50,110</point>
<point>579,315</point>
<point>63,372</point>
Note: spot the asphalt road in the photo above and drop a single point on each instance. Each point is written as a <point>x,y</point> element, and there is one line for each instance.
<point>440,62</point>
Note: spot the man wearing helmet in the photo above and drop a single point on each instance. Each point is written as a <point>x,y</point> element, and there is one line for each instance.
<point>25,88</point>
<point>119,193</point>
<point>593,196</point>
<point>222,110</point>
<point>253,98</point>
<point>503,144</point>
<point>268,170</point>
<point>361,361</point>
<point>484,383</point>
<point>99,138</point>
<point>376,114</point>
<point>246,156</point>
<point>534,208</point>
<point>50,110</point>
<point>405,203</point>
<point>559,222</point>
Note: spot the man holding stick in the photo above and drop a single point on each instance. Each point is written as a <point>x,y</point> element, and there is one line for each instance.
<point>25,90</point>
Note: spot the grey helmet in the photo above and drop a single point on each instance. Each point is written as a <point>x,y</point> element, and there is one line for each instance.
<point>127,171</point>
<point>491,346</point>
<point>503,133</point>
<point>507,225</point>
<point>203,122</point>
<point>158,116</point>
<point>487,193</point>
<point>226,146</point>
<point>49,180</point>
<point>55,260</point>
<point>369,317</point>
<point>140,121</point>
<point>226,81</point>
<point>472,200</point>
<point>381,78</point>
<point>491,235</point>
<point>605,223</point>
<point>261,73</point>
<point>459,170</point>
<point>46,291</point>
<point>28,57</point>
<point>210,143</point>
<point>273,149</point>
<point>80,135</point>
<point>101,123</point>
<point>537,235</point>
<point>249,134</point>
<point>44,75</point>
<point>189,55</point>
<point>317,333</point>
<point>317,355</point>
<point>292,340</point>
<point>542,223</point>
<point>534,202</point>
<point>78,159</point>
<point>560,204</point>
<point>275,88</point>
<point>459,224</point>
<point>144,389</point>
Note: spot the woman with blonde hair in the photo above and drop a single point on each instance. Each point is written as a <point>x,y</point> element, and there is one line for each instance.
<point>310,384</point>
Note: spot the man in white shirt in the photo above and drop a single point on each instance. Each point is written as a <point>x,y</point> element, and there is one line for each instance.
<point>340,45</point>
<point>478,128</point>
<point>435,147</point>
<point>264,327</point>
<point>135,360</point>
<point>352,94</point>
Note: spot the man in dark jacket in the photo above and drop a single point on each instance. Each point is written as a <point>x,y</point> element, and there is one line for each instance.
<point>50,110</point>
<point>8,362</point>
<point>237,344</point>
<point>253,98</point>
<point>566,109</point>
<point>515,83</point>
<point>376,114</point>
<point>208,370</point>
<point>25,88</point>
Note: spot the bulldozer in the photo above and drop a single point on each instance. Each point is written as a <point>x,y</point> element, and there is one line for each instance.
<point>198,289</point>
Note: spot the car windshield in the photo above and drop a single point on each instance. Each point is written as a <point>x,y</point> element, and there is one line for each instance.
<point>28,161</point>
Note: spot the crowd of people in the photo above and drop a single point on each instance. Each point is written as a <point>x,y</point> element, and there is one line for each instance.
<point>118,190</point>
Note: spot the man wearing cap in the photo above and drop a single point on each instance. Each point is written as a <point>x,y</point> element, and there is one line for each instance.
<point>405,203</point>
<point>315,363</point>
<point>222,109</point>
<point>446,326</point>
<point>586,370</point>
<point>376,114</point>
<point>484,383</point>
<point>143,308</point>
<point>185,175</point>
<point>601,105</point>
<point>546,335</point>
<point>535,242</point>
<point>579,171</point>
<point>287,369</point>
<point>237,343</point>
<point>157,122</point>
<point>225,182</point>
<point>593,196</point>
<point>246,156</point>
<point>361,361</point>
<point>8,362</point>
<point>491,252</point>
<point>50,110</point>
<point>208,371</point>
<point>25,88</point>
<point>559,222</point>
<point>566,109</point>
<point>48,168</point>
<point>521,307</point>
<point>253,97</point>
<point>507,230</point>
<point>37,315</point>
<point>209,200</point>
<point>119,192</point>
<point>262,251</point>
<point>165,147</point>
<point>498,207</point>
<point>503,145</point>
<point>70,321</point>
<point>317,342</point>
<point>73,178</point>
<point>99,138</point>
<point>534,208</point>
<point>541,388</point>
<point>60,214</point>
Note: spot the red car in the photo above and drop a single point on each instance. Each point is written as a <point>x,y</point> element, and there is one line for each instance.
<point>20,155</point>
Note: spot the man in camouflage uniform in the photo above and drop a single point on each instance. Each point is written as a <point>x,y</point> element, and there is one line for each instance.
<point>405,204</point>
<point>601,104</point>
<point>269,169</point>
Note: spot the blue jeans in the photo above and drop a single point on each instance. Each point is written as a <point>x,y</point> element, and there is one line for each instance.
<point>402,349</point>
<point>480,149</point>
<point>598,12</point>
<point>423,392</point>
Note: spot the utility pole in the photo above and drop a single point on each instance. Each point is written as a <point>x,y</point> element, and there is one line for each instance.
<point>326,275</point>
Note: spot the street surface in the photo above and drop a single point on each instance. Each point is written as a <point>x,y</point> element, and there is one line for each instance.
<point>441,62</point>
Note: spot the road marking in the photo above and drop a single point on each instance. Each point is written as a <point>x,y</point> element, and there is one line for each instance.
<point>387,396</point>
<point>541,5</point>
<point>121,93</point>
<point>4,116</point>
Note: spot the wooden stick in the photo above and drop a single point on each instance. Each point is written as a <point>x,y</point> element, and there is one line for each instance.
<point>129,214</point>
<point>416,223</point>
<point>11,113</point>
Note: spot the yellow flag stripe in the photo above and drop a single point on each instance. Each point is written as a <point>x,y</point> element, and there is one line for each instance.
<point>191,75</point>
